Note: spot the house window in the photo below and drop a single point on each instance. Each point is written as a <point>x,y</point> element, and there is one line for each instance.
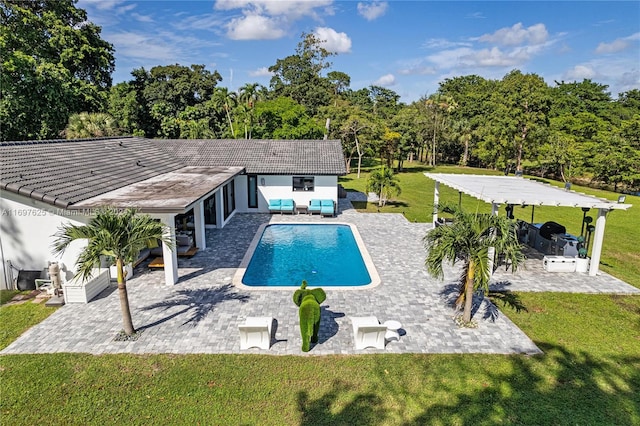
<point>228,194</point>
<point>252,191</point>
<point>303,183</point>
<point>210,210</point>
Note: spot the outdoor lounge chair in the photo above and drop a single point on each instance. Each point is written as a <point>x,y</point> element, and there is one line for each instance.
<point>255,332</point>
<point>274,205</point>
<point>287,206</point>
<point>368,332</point>
<point>327,208</point>
<point>315,206</point>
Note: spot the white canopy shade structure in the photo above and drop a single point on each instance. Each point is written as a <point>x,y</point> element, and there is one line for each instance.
<point>498,190</point>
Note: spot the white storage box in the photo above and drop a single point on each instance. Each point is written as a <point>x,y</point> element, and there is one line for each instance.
<point>559,264</point>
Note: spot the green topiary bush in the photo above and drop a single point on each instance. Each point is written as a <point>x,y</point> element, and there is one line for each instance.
<point>309,302</point>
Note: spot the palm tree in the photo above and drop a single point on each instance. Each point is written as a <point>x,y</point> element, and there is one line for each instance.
<point>384,183</point>
<point>472,238</point>
<point>226,100</point>
<point>248,95</point>
<point>439,103</point>
<point>119,234</point>
<point>91,125</point>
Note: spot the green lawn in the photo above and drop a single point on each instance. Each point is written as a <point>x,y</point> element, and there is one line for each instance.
<point>588,375</point>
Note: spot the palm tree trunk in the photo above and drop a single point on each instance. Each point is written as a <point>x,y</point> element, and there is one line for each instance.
<point>226,108</point>
<point>124,299</point>
<point>465,156</point>
<point>468,298</point>
<point>359,155</point>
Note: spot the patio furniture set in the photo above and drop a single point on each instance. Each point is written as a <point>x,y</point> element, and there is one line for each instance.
<point>256,332</point>
<point>326,208</point>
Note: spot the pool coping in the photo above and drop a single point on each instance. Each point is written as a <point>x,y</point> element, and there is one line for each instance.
<point>368,261</point>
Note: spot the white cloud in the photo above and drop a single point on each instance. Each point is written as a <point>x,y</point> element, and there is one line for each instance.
<point>517,34</point>
<point>475,15</point>
<point>494,57</point>
<point>385,80</point>
<point>333,41</point>
<point>141,18</point>
<point>101,4</point>
<point>268,19</point>
<point>418,71</point>
<point>617,45</point>
<point>125,9</point>
<point>613,47</point>
<point>441,43</point>
<point>207,21</point>
<point>261,72</point>
<point>628,80</point>
<point>159,47</point>
<point>373,10</point>
<point>580,72</point>
<point>292,9</point>
<point>254,27</point>
<point>143,46</point>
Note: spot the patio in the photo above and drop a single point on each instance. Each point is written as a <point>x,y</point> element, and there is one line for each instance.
<point>201,313</point>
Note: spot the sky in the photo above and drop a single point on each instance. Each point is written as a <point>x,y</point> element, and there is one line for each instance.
<point>406,46</point>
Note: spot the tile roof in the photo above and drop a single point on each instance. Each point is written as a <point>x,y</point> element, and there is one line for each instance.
<point>286,157</point>
<point>65,172</point>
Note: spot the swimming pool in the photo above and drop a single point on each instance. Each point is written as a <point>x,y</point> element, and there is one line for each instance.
<point>328,255</point>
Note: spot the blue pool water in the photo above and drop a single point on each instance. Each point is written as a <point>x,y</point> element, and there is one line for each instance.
<point>324,255</point>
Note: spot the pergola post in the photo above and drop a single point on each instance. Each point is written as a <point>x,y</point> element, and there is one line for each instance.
<point>598,239</point>
<point>436,201</point>
<point>198,222</point>
<point>169,256</point>
<point>492,250</point>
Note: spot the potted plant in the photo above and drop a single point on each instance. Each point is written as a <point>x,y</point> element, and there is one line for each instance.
<point>582,261</point>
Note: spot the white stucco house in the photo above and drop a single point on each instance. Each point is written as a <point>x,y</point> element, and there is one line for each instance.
<point>46,183</point>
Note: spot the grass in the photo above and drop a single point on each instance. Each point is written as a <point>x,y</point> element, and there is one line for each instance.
<point>16,319</point>
<point>588,375</point>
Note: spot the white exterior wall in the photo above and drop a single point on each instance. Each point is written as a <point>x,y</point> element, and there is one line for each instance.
<point>281,186</point>
<point>26,234</point>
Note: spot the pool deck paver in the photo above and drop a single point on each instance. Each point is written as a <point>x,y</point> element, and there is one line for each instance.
<point>201,313</point>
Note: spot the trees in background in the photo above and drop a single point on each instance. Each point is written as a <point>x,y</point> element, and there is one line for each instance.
<point>299,76</point>
<point>54,64</point>
<point>573,130</point>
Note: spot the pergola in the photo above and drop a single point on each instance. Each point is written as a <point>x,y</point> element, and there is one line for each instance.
<point>514,190</point>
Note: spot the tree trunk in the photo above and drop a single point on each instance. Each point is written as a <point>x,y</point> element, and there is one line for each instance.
<point>124,299</point>
<point>233,134</point>
<point>433,146</point>
<point>520,147</point>
<point>359,156</point>
<point>326,126</point>
<point>347,163</point>
<point>468,298</point>
<point>380,203</point>
<point>465,155</point>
